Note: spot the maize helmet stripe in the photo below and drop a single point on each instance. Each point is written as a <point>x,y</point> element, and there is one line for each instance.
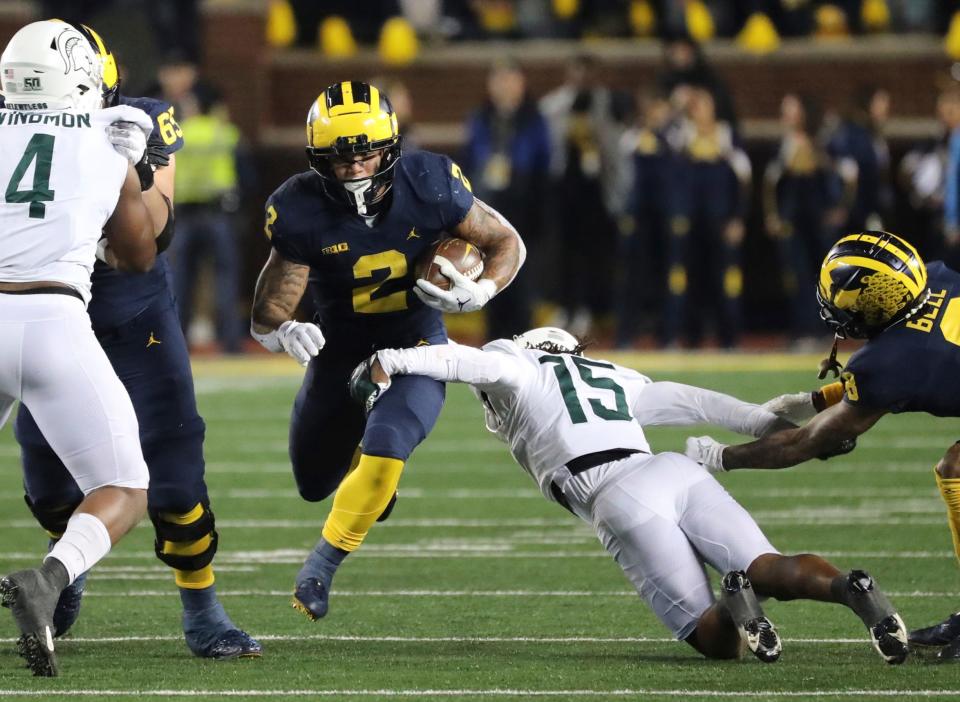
<point>900,248</point>
<point>827,282</point>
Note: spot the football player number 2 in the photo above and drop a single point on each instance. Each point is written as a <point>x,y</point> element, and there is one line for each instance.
<point>620,410</point>
<point>371,266</point>
<point>39,149</point>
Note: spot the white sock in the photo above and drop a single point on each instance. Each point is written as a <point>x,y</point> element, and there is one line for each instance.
<point>85,542</point>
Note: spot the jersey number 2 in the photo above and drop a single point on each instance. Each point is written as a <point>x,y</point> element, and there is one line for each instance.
<point>364,302</point>
<point>574,407</point>
<point>39,149</point>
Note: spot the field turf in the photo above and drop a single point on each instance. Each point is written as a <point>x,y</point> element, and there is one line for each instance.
<point>477,588</point>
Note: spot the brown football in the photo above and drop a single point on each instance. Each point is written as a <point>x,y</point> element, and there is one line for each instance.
<point>464,256</point>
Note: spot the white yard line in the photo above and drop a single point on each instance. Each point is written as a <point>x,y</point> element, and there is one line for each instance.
<point>433,594</point>
<point>638,693</point>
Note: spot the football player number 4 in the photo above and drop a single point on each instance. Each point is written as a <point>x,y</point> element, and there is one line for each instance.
<point>620,410</point>
<point>39,150</point>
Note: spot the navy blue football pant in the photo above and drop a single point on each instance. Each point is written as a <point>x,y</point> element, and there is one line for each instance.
<point>327,425</point>
<point>149,355</point>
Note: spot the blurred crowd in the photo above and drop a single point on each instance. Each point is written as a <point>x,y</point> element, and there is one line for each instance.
<point>638,206</point>
<point>337,26</point>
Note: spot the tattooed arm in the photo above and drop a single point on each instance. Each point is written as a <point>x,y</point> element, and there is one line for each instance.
<point>829,433</point>
<point>279,288</point>
<point>502,247</point>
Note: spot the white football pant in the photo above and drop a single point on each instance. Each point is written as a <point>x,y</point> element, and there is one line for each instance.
<point>661,518</point>
<point>50,360</point>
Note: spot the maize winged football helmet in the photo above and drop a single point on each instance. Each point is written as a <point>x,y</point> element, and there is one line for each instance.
<point>868,282</point>
<point>353,118</point>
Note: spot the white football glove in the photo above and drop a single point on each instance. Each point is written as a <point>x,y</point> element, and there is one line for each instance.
<point>128,140</point>
<point>464,294</point>
<point>796,407</point>
<point>707,452</point>
<point>302,340</point>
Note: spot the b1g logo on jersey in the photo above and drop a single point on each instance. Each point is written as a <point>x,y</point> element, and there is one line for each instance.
<point>31,84</point>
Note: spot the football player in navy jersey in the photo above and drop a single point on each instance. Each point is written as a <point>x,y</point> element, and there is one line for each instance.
<point>136,323</point>
<point>351,228</point>
<point>874,286</point>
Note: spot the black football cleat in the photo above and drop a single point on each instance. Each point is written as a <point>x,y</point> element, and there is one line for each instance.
<point>311,598</point>
<point>888,633</point>
<point>389,508</point>
<point>937,635</point>
<point>229,645</point>
<point>68,606</point>
<point>950,653</point>
<point>738,596</point>
<point>32,598</point>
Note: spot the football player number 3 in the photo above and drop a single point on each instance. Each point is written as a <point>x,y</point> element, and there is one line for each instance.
<point>39,149</point>
<point>620,410</point>
<point>365,300</point>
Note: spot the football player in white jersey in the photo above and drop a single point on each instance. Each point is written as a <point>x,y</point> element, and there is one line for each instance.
<point>65,186</point>
<point>575,424</point>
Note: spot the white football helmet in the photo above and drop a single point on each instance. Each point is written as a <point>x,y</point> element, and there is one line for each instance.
<point>551,339</point>
<point>49,65</point>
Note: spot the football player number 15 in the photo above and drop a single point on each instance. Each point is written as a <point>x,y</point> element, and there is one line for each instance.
<point>39,149</point>
<point>620,410</point>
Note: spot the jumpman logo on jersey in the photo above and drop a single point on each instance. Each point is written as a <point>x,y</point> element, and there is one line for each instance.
<point>413,234</point>
<point>153,340</point>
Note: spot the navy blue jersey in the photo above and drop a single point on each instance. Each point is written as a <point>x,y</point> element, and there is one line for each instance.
<point>913,366</point>
<point>119,297</point>
<point>361,277</point>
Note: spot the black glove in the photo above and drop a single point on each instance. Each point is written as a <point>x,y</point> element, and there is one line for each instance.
<point>154,157</point>
<point>364,391</point>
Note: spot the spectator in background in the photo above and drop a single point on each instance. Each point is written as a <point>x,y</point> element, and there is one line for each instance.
<point>506,156</point>
<point>640,281</point>
<point>706,227</point>
<point>589,189</point>
<point>856,144</point>
<point>207,199</point>
<point>923,177</point>
<point>950,115</point>
<point>800,187</point>
<point>685,68</point>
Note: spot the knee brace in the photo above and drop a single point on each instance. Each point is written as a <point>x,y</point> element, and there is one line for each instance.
<point>186,541</point>
<point>52,518</point>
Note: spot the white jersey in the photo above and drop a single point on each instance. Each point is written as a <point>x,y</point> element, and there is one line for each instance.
<point>62,180</point>
<point>553,408</point>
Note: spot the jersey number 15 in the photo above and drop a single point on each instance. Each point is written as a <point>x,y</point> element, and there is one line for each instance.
<point>620,411</point>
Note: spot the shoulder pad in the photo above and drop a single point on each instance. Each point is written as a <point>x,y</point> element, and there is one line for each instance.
<point>431,176</point>
<point>165,127</point>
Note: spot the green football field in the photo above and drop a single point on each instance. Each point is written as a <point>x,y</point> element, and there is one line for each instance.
<point>477,588</point>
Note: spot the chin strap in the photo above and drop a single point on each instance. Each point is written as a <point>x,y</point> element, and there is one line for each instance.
<point>830,364</point>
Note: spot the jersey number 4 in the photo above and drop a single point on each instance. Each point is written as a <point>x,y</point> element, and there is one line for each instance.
<point>39,149</point>
<point>620,411</point>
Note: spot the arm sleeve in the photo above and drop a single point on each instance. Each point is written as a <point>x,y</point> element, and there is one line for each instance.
<point>487,370</point>
<point>675,404</point>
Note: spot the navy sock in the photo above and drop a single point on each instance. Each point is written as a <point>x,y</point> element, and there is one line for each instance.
<point>203,611</point>
<point>322,562</point>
